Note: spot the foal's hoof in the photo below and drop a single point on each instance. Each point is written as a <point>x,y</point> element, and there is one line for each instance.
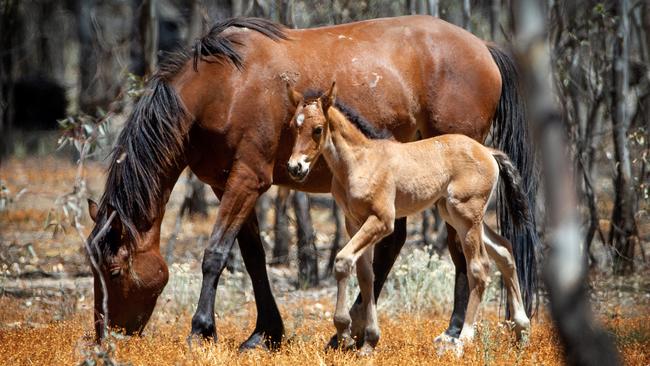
<point>365,351</point>
<point>445,343</point>
<point>346,344</point>
<point>198,341</point>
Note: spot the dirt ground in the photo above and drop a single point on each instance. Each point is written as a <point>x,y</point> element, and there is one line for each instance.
<point>46,297</point>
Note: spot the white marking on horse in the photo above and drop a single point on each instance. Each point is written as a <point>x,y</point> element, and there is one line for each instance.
<point>300,119</point>
<point>376,81</point>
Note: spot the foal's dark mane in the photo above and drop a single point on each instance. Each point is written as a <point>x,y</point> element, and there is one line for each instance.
<point>150,148</point>
<point>362,124</point>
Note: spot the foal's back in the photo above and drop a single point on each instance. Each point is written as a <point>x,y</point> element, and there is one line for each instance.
<point>448,166</point>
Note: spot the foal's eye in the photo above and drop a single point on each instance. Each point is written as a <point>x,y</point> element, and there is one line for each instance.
<point>318,130</point>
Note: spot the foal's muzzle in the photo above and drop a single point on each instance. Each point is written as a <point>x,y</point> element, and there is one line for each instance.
<point>298,168</point>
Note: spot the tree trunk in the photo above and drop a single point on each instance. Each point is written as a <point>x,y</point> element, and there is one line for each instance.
<point>433,8</point>
<point>467,20</point>
<point>494,18</point>
<point>281,228</point>
<point>8,20</point>
<point>623,235</point>
<point>564,273</point>
<point>286,11</point>
<point>144,45</point>
<point>307,253</point>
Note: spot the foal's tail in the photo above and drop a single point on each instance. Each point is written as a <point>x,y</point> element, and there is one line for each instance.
<point>513,193</point>
<point>510,135</point>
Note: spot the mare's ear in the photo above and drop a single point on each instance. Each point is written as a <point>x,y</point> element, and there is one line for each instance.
<point>93,209</point>
<point>294,96</point>
<point>330,99</point>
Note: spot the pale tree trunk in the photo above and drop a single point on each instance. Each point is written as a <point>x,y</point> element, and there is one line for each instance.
<point>433,8</point>
<point>584,342</point>
<point>624,234</point>
<point>149,28</point>
<point>495,6</point>
<point>307,253</point>
<point>467,20</point>
<point>286,13</point>
<point>238,8</point>
<point>422,7</point>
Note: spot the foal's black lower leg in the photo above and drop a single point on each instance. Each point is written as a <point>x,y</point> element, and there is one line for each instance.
<point>461,286</point>
<point>385,254</point>
<point>268,328</point>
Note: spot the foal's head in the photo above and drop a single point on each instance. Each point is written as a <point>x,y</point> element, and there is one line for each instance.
<point>310,127</point>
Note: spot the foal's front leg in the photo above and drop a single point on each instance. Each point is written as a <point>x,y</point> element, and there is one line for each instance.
<point>372,230</point>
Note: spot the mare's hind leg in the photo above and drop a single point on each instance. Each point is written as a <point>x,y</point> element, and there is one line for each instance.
<point>500,250</point>
<point>461,290</point>
<point>371,325</point>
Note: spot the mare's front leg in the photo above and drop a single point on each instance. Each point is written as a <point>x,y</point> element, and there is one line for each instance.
<point>242,190</point>
<point>268,327</point>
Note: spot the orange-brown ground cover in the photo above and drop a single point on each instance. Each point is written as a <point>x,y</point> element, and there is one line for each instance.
<point>406,340</point>
<point>47,320</point>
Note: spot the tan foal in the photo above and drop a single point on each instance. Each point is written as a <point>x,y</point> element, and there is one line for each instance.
<point>376,180</point>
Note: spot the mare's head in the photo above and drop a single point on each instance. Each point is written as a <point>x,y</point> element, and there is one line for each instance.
<point>132,268</point>
<point>310,128</point>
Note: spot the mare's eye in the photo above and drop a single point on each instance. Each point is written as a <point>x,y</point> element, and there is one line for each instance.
<point>318,130</point>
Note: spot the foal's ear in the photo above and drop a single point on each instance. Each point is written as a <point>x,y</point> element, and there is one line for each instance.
<point>330,98</point>
<point>93,209</point>
<point>294,96</point>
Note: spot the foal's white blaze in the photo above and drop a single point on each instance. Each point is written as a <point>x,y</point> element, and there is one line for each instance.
<point>300,119</point>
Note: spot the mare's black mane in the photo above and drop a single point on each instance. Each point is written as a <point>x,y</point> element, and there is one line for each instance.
<point>351,114</point>
<point>150,149</point>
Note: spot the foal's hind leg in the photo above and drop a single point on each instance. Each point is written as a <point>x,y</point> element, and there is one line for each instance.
<point>500,250</point>
<point>477,273</point>
<point>467,217</point>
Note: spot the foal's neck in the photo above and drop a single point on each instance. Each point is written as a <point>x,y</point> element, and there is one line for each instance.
<point>345,144</point>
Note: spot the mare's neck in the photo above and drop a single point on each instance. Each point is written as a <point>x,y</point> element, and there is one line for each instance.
<point>345,145</point>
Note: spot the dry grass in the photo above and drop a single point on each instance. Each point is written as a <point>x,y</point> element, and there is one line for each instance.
<point>49,323</point>
<point>406,340</point>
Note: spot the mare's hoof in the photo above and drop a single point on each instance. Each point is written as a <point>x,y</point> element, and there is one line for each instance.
<point>445,343</point>
<point>255,341</point>
<point>333,343</point>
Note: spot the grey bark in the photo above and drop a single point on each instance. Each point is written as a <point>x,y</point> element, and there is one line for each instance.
<point>8,19</point>
<point>584,342</point>
<point>624,234</point>
<point>467,20</point>
<point>433,8</point>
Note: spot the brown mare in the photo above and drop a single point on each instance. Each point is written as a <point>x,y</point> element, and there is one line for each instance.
<point>376,180</point>
<point>222,110</point>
